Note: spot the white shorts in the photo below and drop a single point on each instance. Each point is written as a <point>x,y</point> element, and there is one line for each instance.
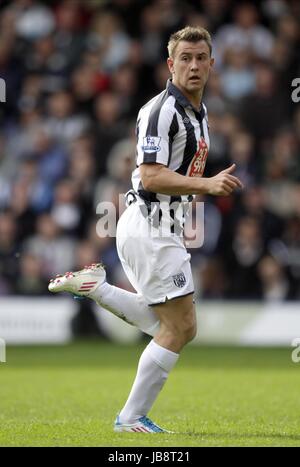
<point>158,267</point>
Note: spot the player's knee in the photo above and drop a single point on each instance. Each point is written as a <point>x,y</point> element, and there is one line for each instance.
<point>178,332</point>
<point>188,329</point>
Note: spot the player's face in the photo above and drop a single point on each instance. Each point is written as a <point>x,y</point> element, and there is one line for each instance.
<point>190,66</point>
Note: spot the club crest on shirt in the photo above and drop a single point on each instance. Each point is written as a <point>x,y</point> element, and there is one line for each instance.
<point>197,165</point>
<point>179,280</point>
<point>151,144</point>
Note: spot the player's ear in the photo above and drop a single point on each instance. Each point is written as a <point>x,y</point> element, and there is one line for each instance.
<point>170,63</point>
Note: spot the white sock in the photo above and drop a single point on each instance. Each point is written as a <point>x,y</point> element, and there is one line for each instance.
<point>153,369</point>
<point>128,306</point>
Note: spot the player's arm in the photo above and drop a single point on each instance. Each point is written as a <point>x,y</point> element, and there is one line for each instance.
<point>159,179</point>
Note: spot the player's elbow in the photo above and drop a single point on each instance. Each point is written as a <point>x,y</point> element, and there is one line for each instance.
<point>148,183</point>
<point>150,176</point>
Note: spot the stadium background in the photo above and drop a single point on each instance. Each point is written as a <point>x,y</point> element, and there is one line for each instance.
<point>76,73</point>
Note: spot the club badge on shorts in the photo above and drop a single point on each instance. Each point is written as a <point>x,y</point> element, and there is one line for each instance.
<point>197,166</point>
<point>179,280</point>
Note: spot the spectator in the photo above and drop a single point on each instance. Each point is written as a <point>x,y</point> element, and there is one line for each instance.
<point>238,78</point>
<point>55,250</point>
<point>22,208</point>
<point>246,33</point>
<point>108,128</point>
<point>65,209</point>
<point>275,285</point>
<point>34,21</point>
<point>84,87</point>
<point>212,279</point>
<point>265,111</point>
<point>82,164</point>
<point>69,37</point>
<point>31,280</point>
<point>241,259</point>
<point>108,33</point>
<point>241,152</point>
<point>63,124</point>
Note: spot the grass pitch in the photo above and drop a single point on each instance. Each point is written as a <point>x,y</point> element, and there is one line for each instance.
<point>69,396</point>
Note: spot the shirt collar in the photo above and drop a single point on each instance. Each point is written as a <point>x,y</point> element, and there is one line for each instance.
<point>183,101</point>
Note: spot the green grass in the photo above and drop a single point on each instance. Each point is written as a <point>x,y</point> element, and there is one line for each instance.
<point>69,396</point>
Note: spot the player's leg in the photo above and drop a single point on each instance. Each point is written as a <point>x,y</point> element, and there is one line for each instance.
<point>161,268</point>
<point>91,283</point>
<point>130,307</point>
<point>178,324</point>
<point>178,327</point>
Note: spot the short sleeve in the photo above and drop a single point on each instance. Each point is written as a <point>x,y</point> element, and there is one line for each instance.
<point>155,132</point>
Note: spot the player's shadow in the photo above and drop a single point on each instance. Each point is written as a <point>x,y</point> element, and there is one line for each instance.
<point>208,435</point>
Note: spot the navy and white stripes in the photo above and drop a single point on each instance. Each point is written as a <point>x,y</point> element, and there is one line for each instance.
<point>169,131</point>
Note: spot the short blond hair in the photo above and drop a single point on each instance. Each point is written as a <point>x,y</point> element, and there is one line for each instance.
<point>189,34</point>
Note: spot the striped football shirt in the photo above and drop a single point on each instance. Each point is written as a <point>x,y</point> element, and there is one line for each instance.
<point>170,131</point>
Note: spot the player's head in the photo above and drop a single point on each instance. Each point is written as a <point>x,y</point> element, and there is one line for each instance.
<point>190,59</point>
<point>189,34</point>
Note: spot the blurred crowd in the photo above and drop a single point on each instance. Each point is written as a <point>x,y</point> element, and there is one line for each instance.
<point>77,72</point>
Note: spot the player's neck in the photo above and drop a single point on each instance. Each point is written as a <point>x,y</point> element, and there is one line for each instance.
<point>194,98</point>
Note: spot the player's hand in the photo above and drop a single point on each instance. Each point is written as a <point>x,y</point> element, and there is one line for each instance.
<point>224,183</point>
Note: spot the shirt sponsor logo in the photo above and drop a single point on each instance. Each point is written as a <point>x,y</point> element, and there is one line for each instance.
<point>197,166</point>
<point>151,144</point>
<point>179,280</point>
